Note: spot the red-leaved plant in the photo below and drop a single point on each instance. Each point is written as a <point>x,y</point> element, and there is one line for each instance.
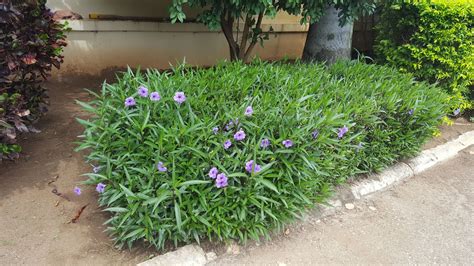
<point>31,43</point>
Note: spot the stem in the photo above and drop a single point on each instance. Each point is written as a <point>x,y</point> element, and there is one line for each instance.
<point>245,36</point>
<point>254,39</point>
<point>233,49</point>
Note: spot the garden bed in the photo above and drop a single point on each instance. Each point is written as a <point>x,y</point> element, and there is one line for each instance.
<point>36,223</point>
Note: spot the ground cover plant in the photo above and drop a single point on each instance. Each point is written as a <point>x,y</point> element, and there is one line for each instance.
<point>31,43</point>
<point>234,151</point>
<point>434,40</point>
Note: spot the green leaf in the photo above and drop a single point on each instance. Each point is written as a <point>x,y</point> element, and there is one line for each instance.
<point>194,182</point>
<point>116,209</point>
<point>267,184</point>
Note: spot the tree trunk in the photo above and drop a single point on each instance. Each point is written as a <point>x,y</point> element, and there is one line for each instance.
<point>326,40</point>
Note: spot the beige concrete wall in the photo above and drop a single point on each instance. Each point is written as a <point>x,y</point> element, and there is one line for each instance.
<point>90,52</point>
<point>95,45</point>
<point>145,8</point>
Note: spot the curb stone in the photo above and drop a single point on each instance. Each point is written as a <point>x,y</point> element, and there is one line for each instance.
<point>190,255</point>
<point>403,170</point>
<point>193,255</point>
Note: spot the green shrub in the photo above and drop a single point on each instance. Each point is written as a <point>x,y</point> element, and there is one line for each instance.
<point>435,42</point>
<point>31,43</point>
<point>386,115</point>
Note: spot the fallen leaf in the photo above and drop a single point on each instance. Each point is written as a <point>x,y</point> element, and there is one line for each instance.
<point>79,212</point>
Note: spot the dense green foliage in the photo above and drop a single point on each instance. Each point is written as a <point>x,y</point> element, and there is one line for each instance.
<point>345,120</point>
<point>435,42</point>
<point>30,45</point>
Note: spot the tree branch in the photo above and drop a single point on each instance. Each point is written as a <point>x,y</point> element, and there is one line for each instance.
<point>254,39</point>
<point>226,26</point>
<point>245,35</point>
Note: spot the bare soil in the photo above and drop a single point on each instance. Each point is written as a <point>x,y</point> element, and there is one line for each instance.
<point>36,227</point>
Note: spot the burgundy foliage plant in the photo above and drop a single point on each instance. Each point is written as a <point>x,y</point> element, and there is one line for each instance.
<point>31,43</point>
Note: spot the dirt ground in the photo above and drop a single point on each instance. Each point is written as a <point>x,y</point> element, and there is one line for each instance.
<point>35,223</point>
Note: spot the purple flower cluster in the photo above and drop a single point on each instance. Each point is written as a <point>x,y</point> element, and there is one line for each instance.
<point>179,97</point>
<point>161,167</point>
<point>252,167</point>
<point>342,131</point>
<point>220,178</point>
<point>231,124</point>
<point>227,144</point>
<point>265,143</point>
<point>77,190</point>
<point>155,96</point>
<point>248,111</point>
<point>240,135</point>
<point>130,101</point>
<point>96,169</point>
<point>143,91</point>
<point>213,173</point>
<point>287,143</point>
<point>100,188</point>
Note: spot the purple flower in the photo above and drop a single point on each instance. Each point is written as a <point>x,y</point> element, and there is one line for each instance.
<point>411,111</point>
<point>77,190</point>
<point>250,167</point>
<point>161,167</point>
<point>240,135</point>
<point>100,188</point>
<point>179,97</point>
<point>227,144</point>
<point>342,131</point>
<point>155,96</point>
<point>221,180</point>
<point>287,143</point>
<point>130,101</point>
<point>229,125</point>
<point>213,173</point>
<point>143,91</point>
<point>457,111</point>
<point>215,130</point>
<point>315,134</point>
<point>248,111</point>
<point>96,169</point>
<point>265,143</point>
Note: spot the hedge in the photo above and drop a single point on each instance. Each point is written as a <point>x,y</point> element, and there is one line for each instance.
<point>234,151</point>
<point>434,40</point>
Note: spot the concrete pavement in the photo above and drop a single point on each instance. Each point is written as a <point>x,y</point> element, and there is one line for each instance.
<point>428,219</point>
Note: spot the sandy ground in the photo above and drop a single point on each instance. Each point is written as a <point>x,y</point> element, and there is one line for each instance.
<point>428,219</point>
<point>34,222</point>
<point>36,229</point>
